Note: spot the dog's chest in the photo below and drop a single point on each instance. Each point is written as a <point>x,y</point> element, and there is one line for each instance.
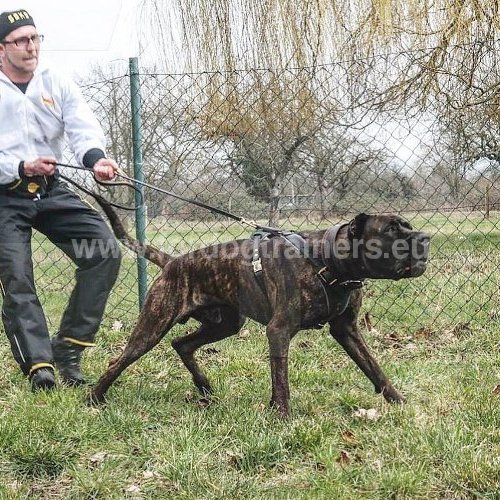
<point>321,304</point>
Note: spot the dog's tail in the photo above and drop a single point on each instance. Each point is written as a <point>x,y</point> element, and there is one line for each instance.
<point>151,253</point>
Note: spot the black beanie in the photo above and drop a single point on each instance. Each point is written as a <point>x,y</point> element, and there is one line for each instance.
<point>10,21</point>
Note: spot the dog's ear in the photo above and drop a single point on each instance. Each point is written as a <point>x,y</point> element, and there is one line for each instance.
<point>357,226</point>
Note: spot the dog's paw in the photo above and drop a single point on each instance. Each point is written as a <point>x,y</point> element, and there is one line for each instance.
<point>393,396</point>
<point>282,409</point>
<point>206,391</point>
<point>95,399</point>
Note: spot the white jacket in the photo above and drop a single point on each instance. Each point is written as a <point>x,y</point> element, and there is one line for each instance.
<point>34,124</point>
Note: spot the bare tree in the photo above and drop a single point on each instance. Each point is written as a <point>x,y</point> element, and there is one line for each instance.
<point>167,131</point>
<point>263,122</point>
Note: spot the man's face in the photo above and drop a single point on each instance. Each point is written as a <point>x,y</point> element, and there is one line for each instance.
<point>20,61</point>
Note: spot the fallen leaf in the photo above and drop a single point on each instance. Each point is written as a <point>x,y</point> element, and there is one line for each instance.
<point>204,402</point>
<point>344,458</point>
<point>234,458</point>
<point>349,437</point>
<point>320,466</point>
<point>98,458</point>
<point>261,407</point>
<point>370,414</point>
<point>496,390</point>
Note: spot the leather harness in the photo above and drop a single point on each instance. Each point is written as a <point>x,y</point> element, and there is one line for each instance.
<point>336,291</point>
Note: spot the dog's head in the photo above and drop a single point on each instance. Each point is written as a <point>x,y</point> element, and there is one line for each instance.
<point>384,246</point>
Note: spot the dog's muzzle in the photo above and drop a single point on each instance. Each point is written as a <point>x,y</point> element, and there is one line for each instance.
<point>418,255</point>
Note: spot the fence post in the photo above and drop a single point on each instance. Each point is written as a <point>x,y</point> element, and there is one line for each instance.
<point>488,201</point>
<point>140,215</point>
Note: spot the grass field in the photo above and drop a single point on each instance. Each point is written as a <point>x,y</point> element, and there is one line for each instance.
<point>437,337</point>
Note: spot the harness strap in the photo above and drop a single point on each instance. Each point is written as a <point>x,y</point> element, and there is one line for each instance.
<point>299,243</point>
<point>334,290</point>
<point>257,238</point>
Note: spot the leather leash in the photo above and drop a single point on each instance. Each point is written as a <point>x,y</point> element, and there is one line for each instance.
<point>131,182</point>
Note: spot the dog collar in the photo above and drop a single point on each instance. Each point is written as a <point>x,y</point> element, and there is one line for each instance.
<point>333,269</point>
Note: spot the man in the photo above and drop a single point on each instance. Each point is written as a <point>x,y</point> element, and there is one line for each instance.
<point>37,108</point>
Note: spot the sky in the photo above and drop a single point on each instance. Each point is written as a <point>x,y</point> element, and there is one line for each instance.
<point>81,34</point>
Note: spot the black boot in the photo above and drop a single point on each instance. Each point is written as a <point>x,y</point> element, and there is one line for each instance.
<point>42,379</point>
<point>67,358</point>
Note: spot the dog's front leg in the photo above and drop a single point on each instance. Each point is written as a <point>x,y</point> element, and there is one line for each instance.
<point>345,330</point>
<point>278,336</point>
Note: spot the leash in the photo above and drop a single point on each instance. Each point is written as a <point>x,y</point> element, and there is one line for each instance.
<point>109,183</point>
<point>131,182</point>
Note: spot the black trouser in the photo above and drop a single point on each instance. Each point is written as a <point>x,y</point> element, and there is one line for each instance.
<point>80,232</point>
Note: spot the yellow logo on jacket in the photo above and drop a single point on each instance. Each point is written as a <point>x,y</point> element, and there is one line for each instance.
<point>48,101</point>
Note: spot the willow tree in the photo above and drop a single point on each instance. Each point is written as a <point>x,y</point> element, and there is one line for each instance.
<point>449,45</point>
<point>210,35</point>
<point>448,52</point>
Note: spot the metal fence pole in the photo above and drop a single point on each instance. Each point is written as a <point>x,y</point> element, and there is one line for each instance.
<point>140,216</point>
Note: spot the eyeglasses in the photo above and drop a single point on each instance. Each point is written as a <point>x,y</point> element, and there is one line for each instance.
<point>24,41</point>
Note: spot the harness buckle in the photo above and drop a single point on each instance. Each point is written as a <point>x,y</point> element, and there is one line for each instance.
<point>326,276</point>
<point>257,265</point>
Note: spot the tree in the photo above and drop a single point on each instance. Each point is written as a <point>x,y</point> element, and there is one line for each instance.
<point>262,121</point>
<point>435,58</point>
<point>336,160</point>
<point>230,34</point>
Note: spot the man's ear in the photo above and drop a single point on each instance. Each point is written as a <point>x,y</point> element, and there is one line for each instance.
<point>357,226</point>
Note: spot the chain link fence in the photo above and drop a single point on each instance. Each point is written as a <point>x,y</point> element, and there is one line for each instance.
<point>305,148</point>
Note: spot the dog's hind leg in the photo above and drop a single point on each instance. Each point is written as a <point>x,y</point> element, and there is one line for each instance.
<point>140,342</point>
<point>210,331</point>
<point>155,321</point>
<point>344,330</point>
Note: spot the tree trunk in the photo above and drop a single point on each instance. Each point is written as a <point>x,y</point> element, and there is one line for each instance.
<point>321,198</point>
<point>274,211</point>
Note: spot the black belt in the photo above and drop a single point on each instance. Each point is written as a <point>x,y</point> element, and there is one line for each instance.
<point>33,187</point>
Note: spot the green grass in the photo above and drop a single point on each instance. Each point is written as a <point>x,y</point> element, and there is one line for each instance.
<point>155,436</point>
<point>437,337</point>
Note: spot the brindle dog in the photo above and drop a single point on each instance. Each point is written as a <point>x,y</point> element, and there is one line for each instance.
<point>217,286</point>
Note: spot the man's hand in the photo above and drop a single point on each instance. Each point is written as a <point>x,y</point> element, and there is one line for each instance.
<point>45,165</point>
<point>105,169</point>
